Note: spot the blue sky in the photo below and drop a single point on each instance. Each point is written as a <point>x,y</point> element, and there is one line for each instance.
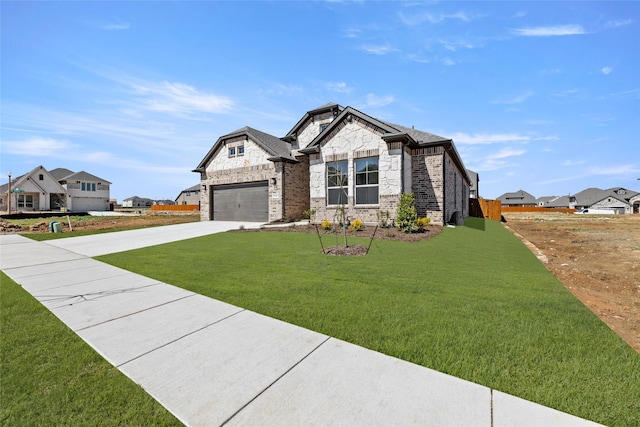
<point>539,96</point>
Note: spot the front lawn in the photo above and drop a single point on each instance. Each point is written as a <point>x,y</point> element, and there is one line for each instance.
<point>50,377</point>
<point>473,302</point>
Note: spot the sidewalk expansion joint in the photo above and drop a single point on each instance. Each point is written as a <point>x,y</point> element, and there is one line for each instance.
<point>274,382</point>
<point>136,312</point>
<point>181,337</point>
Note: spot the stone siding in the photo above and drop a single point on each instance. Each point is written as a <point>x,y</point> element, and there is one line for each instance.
<point>349,141</point>
<point>311,129</point>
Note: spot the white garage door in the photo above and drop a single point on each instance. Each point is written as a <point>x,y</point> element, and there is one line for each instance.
<point>241,202</point>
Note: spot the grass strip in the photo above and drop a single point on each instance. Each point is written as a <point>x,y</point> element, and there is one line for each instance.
<point>49,376</point>
<point>473,302</point>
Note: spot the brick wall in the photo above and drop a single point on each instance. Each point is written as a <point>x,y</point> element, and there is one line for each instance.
<point>427,182</point>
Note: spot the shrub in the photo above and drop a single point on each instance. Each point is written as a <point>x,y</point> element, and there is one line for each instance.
<point>309,213</point>
<point>383,219</point>
<point>326,224</point>
<point>406,215</point>
<point>422,223</point>
<point>357,224</point>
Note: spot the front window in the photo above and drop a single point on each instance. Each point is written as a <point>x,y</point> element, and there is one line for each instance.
<point>241,150</point>
<point>232,151</point>
<point>337,183</point>
<point>367,181</point>
<point>25,200</point>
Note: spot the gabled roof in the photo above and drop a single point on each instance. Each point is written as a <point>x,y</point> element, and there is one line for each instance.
<point>194,188</point>
<point>85,176</point>
<point>274,146</point>
<point>519,197</point>
<point>390,133</point>
<point>60,173</point>
<point>594,195</point>
<point>290,136</point>
<point>559,202</point>
<point>16,182</point>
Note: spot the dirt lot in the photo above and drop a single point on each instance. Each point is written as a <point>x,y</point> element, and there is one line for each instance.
<point>597,257</point>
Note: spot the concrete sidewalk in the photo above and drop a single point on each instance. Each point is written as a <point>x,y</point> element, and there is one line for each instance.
<point>211,363</point>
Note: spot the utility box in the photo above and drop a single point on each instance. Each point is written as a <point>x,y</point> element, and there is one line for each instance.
<point>55,227</point>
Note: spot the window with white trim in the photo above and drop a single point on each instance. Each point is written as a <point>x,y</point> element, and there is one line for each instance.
<point>240,150</point>
<point>337,183</point>
<point>366,171</point>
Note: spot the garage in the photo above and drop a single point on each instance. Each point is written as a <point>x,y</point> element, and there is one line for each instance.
<point>241,202</point>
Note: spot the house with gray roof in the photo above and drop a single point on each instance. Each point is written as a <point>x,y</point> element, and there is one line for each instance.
<point>517,198</point>
<point>58,189</point>
<point>617,199</point>
<point>333,158</point>
<point>189,196</point>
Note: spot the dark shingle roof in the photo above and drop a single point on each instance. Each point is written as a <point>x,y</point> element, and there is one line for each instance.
<point>85,176</point>
<point>60,174</point>
<point>519,197</point>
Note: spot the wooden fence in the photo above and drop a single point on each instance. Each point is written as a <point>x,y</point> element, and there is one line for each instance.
<point>483,208</point>
<point>175,207</point>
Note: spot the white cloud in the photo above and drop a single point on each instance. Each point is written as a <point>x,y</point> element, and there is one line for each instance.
<point>284,90</point>
<point>567,92</point>
<point>505,153</point>
<point>36,146</point>
<point>433,18</point>
<point>181,98</point>
<point>520,14</point>
<point>379,50</point>
<point>559,30</point>
<point>616,24</point>
<point>117,26</point>
<point>339,87</point>
<point>514,100</point>
<point>487,139</point>
<point>606,70</point>
<point>378,101</point>
<point>454,45</point>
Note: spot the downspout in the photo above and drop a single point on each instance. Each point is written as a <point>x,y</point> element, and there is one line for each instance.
<point>444,186</point>
<point>284,203</point>
<point>402,177</point>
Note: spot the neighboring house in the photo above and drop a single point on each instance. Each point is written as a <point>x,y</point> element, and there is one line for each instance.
<point>136,202</point>
<point>190,196</point>
<point>334,157</point>
<point>517,198</point>
<point>86,192</point>
<point>561,202</point>
<point>544,200</point>
<point>165,202</point>
<point>474,193</point>
<point>617,199</point>
<point>58,189</point>
<point>37,190</point>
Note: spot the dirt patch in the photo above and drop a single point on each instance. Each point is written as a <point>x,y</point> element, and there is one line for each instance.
<point>596,257</point>
<point>88,223</point>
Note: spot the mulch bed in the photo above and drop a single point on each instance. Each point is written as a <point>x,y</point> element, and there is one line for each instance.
<point>367,232</point>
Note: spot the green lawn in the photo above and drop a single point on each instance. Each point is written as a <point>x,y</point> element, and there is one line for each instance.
<point>472,302</point>
<point>50,377</point>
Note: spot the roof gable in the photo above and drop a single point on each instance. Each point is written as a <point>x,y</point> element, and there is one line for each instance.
<point>85,176</point>
<point>272,145</point>
<point>517,197</point>
<point>309,115</point>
